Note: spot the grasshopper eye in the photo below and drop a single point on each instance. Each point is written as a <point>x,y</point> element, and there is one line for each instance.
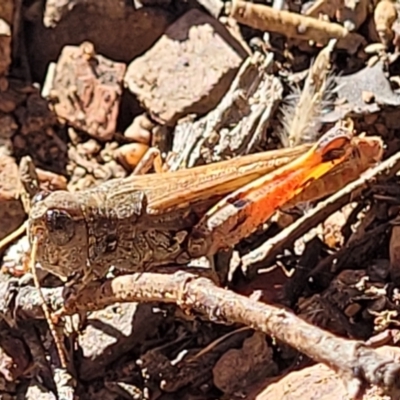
<point>334,147</point>
<point>61,227</point>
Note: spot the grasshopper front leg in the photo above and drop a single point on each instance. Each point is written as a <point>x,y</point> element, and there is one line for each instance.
<point>243,211</point>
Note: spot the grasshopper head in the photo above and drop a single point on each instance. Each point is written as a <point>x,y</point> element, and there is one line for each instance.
<point>58,224</point>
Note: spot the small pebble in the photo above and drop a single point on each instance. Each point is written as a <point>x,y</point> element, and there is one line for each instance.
<point>130,154</point>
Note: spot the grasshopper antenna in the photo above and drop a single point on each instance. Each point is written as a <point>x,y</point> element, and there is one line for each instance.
<point>303,108</point>
<point>45,308</point>
<point>29,188</point>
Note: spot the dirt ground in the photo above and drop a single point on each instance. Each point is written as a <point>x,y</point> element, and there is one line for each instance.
<point>304,302</point>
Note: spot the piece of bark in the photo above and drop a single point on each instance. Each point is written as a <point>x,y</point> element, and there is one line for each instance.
<point>234,127</point>
<point>188,70</point>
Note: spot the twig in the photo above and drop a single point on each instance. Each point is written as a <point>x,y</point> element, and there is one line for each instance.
<point>358,364</point>
<point>264,254</point>
<point>292,25</point>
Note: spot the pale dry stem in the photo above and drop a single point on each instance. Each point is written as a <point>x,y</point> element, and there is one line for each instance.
<point>302,111</point>
<point>292,25</point>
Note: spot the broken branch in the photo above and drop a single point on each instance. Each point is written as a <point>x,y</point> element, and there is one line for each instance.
<point>359,364</point>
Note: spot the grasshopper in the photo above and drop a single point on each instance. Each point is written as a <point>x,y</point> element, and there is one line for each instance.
<point>169,218</point>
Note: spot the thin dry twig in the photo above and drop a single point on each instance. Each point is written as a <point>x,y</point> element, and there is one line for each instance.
<point>359,365</point>
<point>264,254</point>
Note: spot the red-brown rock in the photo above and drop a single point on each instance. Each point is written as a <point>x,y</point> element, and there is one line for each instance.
<point>188,70</point>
